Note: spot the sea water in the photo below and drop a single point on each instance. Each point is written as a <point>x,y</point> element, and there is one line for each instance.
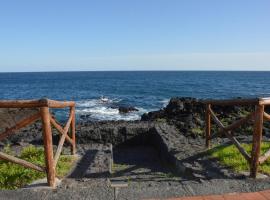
<point>145,90</point>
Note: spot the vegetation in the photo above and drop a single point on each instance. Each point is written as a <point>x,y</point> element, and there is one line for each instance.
<point>244,113</point>
<point>197,131</point>
<point>119,167</point>
<point>14,176</point>
<point>161,120</point>
<point>231,157</point>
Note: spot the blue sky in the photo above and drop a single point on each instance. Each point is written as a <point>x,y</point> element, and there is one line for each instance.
<point>134,35</point>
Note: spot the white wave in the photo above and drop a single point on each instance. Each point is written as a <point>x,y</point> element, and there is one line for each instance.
<point>107,113</point>
<point>116,100</point>
<point>98,110</point>
<point>141,110</point>
<point>103,113</point>
<point>164,102</point>
<point>87,103</point>
<point>96,102</point>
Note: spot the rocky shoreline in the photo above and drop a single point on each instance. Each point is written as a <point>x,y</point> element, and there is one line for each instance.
<point>179,127</point>
<point>186,114</point>
<point>174,135</point>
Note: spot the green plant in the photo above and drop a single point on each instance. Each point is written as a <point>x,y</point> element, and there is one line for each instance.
<point>7,149</point>
<point>119,167</point>
<point>244,113</point>
<point>230,156</point>
<point>197,131</point>
<point>161,120</point>
<point>225,121</point>
<point>168,175</point>
<point>14,176</point>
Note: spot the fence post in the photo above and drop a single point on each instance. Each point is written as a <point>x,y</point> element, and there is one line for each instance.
<point>207,126</point>
<point>48,145</point>
<point>257,138</point>
<point>73,131</point>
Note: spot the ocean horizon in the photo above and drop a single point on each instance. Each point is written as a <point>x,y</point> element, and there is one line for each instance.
<point>167,70</point>
<point>144,90</point>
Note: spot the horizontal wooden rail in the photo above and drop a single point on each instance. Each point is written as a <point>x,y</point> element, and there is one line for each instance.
<point>19,161</point>
<point>264,101</point>
<point>232,102</point>
<point>23,103</point>
<point>239,102</point>
<point>60,104</point>
<point>35,103</point>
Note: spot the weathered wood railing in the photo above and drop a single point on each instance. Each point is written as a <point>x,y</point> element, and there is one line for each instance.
<point>258,116</point>
<point>43,113</point>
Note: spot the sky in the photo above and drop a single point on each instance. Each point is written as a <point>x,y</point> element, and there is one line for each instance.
<point>98,35</point>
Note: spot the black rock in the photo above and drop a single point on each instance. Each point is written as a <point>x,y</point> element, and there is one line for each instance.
<point>123,109</point>
<point>188,114</point>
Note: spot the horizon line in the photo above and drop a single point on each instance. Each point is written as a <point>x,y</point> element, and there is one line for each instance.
<point>68,71</point>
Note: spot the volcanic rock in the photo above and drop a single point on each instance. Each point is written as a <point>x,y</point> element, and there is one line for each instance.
<point>123,109</point>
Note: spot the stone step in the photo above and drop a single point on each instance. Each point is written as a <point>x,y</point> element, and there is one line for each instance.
<point>95,161</point>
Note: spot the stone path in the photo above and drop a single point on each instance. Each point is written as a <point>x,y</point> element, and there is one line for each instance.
<point>262,195</point>
<point>94,162</point>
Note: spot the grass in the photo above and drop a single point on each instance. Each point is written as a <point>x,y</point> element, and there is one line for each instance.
<point>231,157</point>
<point>13,176</point>
<point>168,175</point>
<point>119,167</point>
<point>197,131</point>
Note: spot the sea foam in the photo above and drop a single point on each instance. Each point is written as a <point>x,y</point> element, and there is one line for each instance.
<point>96,109</point>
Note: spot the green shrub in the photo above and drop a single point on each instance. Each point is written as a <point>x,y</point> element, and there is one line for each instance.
<point>14,176</point>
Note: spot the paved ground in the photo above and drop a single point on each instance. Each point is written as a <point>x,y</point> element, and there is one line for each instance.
<point>262,195</point>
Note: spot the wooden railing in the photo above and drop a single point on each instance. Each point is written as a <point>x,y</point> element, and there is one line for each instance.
<point>43,113</point>
<point>258,117</point>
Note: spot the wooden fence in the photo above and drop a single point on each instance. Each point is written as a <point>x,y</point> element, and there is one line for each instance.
<point>43,113</point>
<point>258,117</point>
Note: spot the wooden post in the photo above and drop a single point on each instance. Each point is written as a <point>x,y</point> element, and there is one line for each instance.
<point>48,145</point>
<point>73,131</point>
<point>257,138</point>
<point>207,125</point>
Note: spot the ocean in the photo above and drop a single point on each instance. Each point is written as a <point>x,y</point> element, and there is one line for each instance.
<point>145,90</point>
